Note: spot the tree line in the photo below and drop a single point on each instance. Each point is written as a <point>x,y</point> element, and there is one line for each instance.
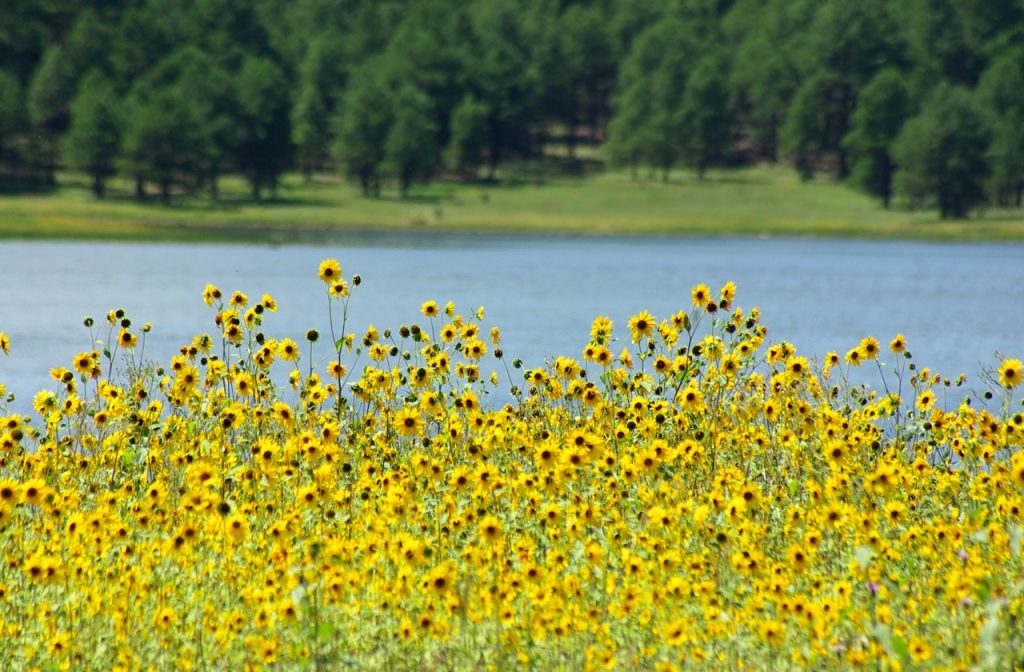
<point>919,100</point>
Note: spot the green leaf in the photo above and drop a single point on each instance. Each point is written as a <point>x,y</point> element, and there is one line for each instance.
<point>325,631</point>
<point>894,588</point>
<point>883,635</point>
<point>864,556</point>
<point>900,648</point>
<point>1016,534</point>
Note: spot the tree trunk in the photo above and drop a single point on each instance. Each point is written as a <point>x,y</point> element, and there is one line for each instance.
<point>492,165</point>
<point>51,166</point>
<point>97,185</point>
<point>495,153</point>
<point>771,144</point>
<point>886,184</point>
<point>804,166</point>
<point>843,169</point>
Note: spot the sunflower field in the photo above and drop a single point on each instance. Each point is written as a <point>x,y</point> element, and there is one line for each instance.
<point>682,494</point>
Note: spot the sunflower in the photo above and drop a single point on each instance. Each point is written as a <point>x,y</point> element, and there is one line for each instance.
<point>798,558</point>
<point>307,495</point>
<point>211,294</point>
<point>233,333</point>
<point>642,325</point>
<point>831,360</point>
<point>920,651</point>
<point>1017,472</point>
<point>336,370</point>
<point>835,453</point>
<point>406,630</point>
<point>691,398</point>
<point>489,529</point>
<point>330,271</point>
<point>9,492</point>
<point>797,367</point>
<point>772,632</point>
<point>408,422</point>
<point>338,289</point>
<point>545,456</point>
<point>288,350</point>
<point>869,348</point>
<point>33,491</point>
<point>1011,372</point>
<point>475,348</point>
<point>700,294</point>
<point>237,528</point>
<point>727,295</point>
<point>287,610</point>
<point>439,580</point>
<point>895,512</point>
<point>126,339</point>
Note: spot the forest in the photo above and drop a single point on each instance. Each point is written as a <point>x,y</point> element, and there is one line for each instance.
<point>918,103</point>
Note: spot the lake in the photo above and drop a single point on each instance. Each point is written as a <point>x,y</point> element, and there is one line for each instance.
<point>958,304</point>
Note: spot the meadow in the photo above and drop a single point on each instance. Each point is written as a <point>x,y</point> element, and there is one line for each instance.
<point>679,494</point>
<point>761,201</point>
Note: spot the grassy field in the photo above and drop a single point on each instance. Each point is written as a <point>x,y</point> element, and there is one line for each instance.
<point>753,201</point>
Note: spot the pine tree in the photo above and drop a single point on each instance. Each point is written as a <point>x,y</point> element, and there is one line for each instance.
<point>410,150</point>
<point>94,137</point>
<point>940,153</point>
<point>883,108</point>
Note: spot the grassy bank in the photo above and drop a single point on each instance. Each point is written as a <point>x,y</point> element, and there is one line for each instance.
<point>755,201</point>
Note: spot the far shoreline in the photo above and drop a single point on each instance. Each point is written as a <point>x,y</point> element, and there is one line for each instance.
<point>753,203</point>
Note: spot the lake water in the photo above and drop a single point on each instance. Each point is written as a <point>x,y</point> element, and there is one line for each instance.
<point>958,304</point>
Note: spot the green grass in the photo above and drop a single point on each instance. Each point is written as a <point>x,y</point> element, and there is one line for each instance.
<point>751,201</point>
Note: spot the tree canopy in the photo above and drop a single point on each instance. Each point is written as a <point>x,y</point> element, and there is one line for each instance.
<point>259,87</point>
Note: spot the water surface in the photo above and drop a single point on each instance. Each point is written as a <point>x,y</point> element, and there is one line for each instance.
<point>958,304</point>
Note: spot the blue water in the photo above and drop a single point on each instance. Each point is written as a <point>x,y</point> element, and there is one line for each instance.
<point>959,304</point>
